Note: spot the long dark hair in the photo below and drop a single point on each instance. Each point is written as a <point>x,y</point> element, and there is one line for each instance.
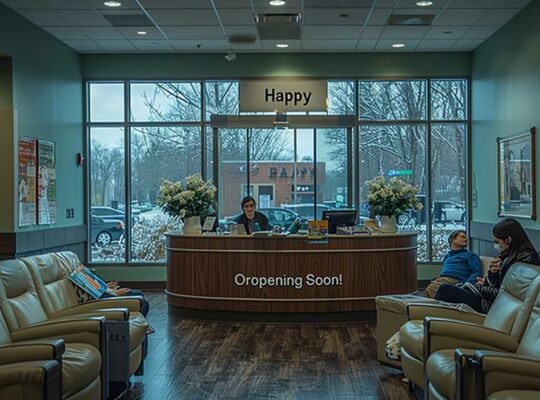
<point>519,241</point>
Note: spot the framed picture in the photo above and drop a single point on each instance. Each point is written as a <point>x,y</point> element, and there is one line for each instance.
<point>516,167</point>
<point>46,182</point>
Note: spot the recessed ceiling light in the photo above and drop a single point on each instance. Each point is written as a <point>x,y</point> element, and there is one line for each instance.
<point>276,3</point>
<point>398,45</point>
<point>282,45</point>
<point>424,3</point>
<point>112,3</point>
<point>141,32</point>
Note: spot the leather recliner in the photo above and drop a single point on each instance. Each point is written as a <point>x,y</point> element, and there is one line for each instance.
<point>500,368</point>
<point>59,299</point>
<point>33,363</point>
<point>508,315</point>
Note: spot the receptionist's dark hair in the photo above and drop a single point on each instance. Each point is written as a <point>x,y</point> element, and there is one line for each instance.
<point>247,199</point>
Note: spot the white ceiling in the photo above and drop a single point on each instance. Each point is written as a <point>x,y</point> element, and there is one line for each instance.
<point>328,25</point>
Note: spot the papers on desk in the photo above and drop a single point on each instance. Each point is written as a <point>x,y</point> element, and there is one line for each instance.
<point>318,231</point>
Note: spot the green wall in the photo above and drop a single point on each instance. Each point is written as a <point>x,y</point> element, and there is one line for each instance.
<point>193,66</point>
<point>505,100</point>
<point>46,103</point>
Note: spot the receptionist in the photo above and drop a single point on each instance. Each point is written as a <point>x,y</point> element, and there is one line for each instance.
<point>251,218</point>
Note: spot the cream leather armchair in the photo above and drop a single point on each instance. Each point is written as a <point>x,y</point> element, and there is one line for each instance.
<point>57,295</point>
<point>34,362</point>
<point>508,315</point>
<point>503,369</point>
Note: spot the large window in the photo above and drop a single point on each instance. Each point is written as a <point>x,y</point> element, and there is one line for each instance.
<point>140,132</point>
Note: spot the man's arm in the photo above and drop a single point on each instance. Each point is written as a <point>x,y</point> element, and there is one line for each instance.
<point>475,266</point>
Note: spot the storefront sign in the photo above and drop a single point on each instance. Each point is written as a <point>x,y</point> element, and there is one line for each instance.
<point>283,95</point>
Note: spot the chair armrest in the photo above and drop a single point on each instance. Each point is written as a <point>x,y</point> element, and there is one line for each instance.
<point>32,351</point>
<point>132,303</point>
<point>507,371</point>
<point>418,311</point>
<point>113,314</point>
<point>442,334</point>
<point>44,372</point>
<point>89,331</point>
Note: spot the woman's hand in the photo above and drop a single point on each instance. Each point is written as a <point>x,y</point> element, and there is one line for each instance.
<point>123,291</point>
<point>495,265</point>
<point>480,280</point>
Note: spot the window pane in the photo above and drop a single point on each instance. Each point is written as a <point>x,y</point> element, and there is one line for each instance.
<point>332,167</point>
<point>341,97</point>
<point>396,150</point>
<point>157,153</point>
<point>232,171</point>
<point>107,195</point>
<point>449,99</point>
<point>222,98</point>
<point>106,102</point>
<point>166,101</point>
<point>392,100</point>
<point>448,166</point>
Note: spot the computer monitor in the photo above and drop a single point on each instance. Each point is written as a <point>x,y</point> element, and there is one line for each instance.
<point>339,218</point>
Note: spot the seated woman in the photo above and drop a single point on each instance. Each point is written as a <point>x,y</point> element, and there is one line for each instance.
<point>251,218</point>
<point>514,246</point>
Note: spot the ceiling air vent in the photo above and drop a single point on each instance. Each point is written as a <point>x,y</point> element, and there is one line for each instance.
<point>410,19</point>
<point>242,39</point>
<point>128,20</point>
<point>278,26</point>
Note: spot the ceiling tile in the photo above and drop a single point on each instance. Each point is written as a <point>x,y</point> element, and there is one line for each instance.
<point>23,4</point>
<point>386,44</point>
<point>488,3</point>
<point>466,44</point>
<point>331,32</point>
<point>460,17</point>
<point>115,45</point>
<point>101,32</point>
<point>82,17</point>
<point>366,44</point>
<point>130,32</point>
<point>83,45</point>
<point>244,47</point>
<point>321,16</point>
<point>239,16</point>
<point>379,16</point>
<point>43,17</point>
<point>480,32</point>
<point>404,32</point>
<point>372,32</point>
<point>438,32</point>
<point>184,17</point>
<point>126,5</point>
<point>65,33</point>
<point>437,5</point>
<point>337,3</point>
<point>329,45</point>
<point>240,30</point>
<point>170,4</point>
<point>206,45</point>
<point>435,45</point>
<point>498,17</point>
<point>152,45</point>
<point>193,32</point>
<point>66,4</point>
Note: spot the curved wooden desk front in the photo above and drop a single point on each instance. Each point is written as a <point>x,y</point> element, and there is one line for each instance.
<point>287,274</point>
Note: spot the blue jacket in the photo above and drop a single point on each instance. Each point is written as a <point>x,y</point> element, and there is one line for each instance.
<point>463,265</point>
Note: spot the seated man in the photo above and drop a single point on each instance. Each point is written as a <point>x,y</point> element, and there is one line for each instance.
<point>459,265</point>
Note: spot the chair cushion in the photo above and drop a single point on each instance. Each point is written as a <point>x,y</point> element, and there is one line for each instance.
<point>441,372</point>
<point>81,364</point>
<point>137,329</point>
<point>412,338</point>
<point>515,395</point>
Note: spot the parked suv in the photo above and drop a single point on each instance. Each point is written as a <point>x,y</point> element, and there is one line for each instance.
<point>104,231</point>
<point>109,213</point>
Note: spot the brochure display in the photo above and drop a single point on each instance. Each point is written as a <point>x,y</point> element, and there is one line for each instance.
<point>46,185</point>
<point>27,181</point>
<point>318,231</point>
<point>88,281</point>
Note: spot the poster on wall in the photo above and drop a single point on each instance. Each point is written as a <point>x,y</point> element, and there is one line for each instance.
<point>27,181</point>
<point>46,183</point>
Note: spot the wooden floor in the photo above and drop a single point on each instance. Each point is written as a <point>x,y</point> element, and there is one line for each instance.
<point>209,360</point>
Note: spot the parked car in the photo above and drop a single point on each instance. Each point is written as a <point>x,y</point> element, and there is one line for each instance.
<point>104,231</point>
<point>443,211</point>
<point>109,213</point>
<point>275,215</point>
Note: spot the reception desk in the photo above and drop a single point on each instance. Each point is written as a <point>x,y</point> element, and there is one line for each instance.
<point>236,277</point>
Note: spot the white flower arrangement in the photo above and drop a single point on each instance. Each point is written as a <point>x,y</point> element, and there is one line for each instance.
<point>392,197</point>
<point>196,199</point>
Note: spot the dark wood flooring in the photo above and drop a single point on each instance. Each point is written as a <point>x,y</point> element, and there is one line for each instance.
<point>190,359</point>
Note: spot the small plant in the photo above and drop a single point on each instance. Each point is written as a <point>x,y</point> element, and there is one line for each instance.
<point>196,199</point>
<point>393,197</point>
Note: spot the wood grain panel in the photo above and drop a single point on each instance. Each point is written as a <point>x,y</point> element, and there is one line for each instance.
<point>201,272</point>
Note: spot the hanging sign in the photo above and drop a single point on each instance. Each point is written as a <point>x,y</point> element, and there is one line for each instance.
<point>283,95</point>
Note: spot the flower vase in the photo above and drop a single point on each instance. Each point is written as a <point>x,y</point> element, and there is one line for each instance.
<point>192,225</point>
<point>387,224</point>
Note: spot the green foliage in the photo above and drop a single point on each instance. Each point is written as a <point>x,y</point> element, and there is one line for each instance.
<point>393,197</point>
<point>197,198</point>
